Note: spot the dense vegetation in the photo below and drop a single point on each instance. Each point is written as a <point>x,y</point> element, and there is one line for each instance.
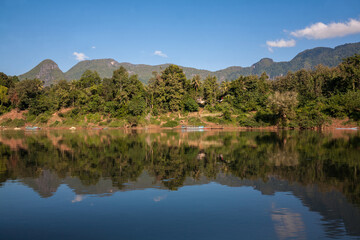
<point>305,98</point>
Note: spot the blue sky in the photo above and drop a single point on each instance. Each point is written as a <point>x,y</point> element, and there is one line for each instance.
<point>204,34</point>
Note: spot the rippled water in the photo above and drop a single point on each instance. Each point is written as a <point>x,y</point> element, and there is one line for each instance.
<point>179,185</point>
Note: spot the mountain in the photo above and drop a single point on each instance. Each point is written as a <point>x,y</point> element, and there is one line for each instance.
<point>307,59</point>
<point>105,68</point>
<point>49,72</point>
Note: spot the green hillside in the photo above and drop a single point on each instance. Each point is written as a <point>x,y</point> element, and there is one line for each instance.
<point>104,67</point>
<point>47,71</point>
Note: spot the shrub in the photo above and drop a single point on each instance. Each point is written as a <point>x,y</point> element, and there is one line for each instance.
<point>43,118</point>
<point>154,121</point>
<point>194,121</point>
<point>137,106</point>
<point>226,115</point>
<point>133,121</point>
<point>211,119</point>
<point>266,117</point>
<point>190,104</point>
<point>247,121</point>
<point>54,124</point>
<point>93,118</point>
<point>155,111</point>
<point>14,123</point>
<point>116,123</point>
<point>311,119</point>
<point>171,123</point>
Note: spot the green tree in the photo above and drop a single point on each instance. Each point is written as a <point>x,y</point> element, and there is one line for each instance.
<point>174,87</point>
<point>137,105</point>
<point>283,105</point>
<point>25,92</point>
<point>125,87</point>
<point>190,104</point>
<point>89,78</point>
<point>196,85</point>
<point>211,90</point>
<point>8,81</point>
<point>3,95</point>
<point>350,68</point>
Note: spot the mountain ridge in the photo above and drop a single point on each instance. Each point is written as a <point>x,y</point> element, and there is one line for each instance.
<point>49,72</point>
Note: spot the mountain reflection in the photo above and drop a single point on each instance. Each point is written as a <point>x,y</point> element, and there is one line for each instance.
<point>288,224</point>
<point>321,169</point>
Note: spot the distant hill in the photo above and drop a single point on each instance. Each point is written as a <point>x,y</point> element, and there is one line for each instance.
<point>49,72</point>
<point>307,59</point>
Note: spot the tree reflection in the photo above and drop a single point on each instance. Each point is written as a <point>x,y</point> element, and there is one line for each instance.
<point>305,157</point>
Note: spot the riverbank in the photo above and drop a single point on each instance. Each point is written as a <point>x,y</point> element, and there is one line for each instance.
<point>63,119</point>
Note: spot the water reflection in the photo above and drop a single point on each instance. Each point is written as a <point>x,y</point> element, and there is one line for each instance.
<point>288,224</point>
<point>320,169</point>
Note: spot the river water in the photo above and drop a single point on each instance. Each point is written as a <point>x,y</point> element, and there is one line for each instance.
<point>114,184</point>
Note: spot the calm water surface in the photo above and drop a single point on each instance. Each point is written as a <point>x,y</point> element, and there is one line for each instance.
<point>179,185</point>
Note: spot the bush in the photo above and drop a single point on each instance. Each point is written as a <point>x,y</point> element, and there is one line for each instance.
<point>247,121</point>
<point>14,123</point>
<point>154,121</point>
<point>137,106</point>
<point>43,118</point>
<point>311,119</point>
<point>266,118</point>
<point>211,119</point>
<point>104,123</point>
<point>194,121</point>
<point>155,111</point>
<point>133,121</point>
<point>311,115</point>
<point>190,104</point>
<point>352,104</point>
<point>209,108</point>
<point>54,124</point>
<point>226,115</point>
<point>117,123</point>
<point>93,118</point>
<point>171,124</point>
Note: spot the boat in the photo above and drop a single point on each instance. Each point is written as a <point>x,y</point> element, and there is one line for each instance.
<point>192,128</point>
<point>354,128</point>
<point>32,128</point>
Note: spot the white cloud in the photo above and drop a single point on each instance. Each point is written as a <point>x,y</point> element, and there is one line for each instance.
<point>78,198</point>
<point>80,56</point>
<point>159,198</point>
<point>280,44</point>
<point>93,47</point>
<point>321,31</point>
<point>160,53</point>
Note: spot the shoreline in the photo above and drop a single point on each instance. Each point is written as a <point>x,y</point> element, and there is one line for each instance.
<point>151,127</point>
